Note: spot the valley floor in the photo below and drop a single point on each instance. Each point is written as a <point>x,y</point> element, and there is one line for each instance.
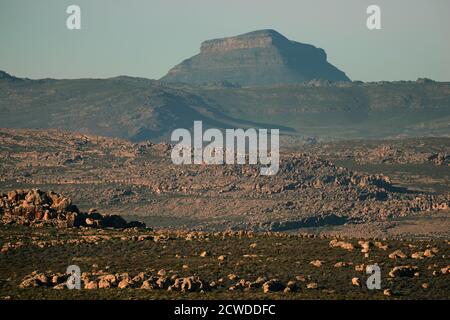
<point>144,264</point>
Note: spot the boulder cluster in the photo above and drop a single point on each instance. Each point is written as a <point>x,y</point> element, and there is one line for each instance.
<point>37,208</point>
<point>403,271</point>
<point>95,280</point>
<point>410,151</point>
<point>157,281</point>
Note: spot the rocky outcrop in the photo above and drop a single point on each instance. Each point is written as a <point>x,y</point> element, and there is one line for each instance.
<point>261,57</point>
<point>272,286</point>
<point>403,271</point>
<point>308,191</point>
<point>37,208</point>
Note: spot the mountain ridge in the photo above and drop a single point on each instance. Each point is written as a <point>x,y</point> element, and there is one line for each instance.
<point>140,109</point>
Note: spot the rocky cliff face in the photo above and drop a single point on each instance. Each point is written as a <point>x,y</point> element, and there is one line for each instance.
<point>257,58</point>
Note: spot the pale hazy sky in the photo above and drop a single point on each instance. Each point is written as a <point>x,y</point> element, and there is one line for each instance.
<point>147,37</point>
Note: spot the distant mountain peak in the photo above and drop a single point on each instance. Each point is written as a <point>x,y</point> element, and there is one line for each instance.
<point>6,76</point>
<point>262,33</point>
<point>261,57</point>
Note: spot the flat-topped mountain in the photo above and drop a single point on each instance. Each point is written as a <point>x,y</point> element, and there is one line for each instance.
<point>262,57</point>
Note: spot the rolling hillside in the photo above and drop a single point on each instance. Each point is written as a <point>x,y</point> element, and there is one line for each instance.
<point>140,109</point>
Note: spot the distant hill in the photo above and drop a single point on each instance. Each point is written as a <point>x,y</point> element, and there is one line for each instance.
<point>343,110</point>
<point>7,77</point>
<point>139,109</point>
<point>261,57</point>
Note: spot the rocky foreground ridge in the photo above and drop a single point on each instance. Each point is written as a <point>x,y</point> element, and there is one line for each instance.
<point>38,208</point>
